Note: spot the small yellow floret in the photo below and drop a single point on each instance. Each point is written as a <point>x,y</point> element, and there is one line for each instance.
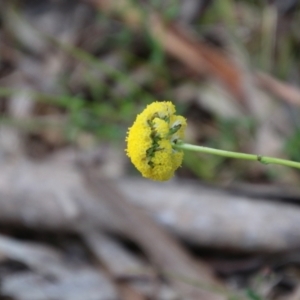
<point>149,141</point>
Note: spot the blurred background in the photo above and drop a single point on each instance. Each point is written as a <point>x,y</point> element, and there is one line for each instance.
<point>77,221</point>
<point>77,73</point>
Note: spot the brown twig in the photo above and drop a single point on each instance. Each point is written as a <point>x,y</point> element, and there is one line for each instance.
<point>278,88</point>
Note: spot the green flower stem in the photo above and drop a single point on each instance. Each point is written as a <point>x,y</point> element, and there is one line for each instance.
<point>237,155</point>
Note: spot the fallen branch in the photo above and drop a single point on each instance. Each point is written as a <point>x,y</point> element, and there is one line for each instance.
<point>162,250</point>
<point>51,196</point>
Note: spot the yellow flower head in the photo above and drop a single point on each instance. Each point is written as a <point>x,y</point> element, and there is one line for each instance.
<point>149,141</point>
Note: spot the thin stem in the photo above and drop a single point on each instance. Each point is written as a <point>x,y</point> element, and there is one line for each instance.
<point>237,155</point>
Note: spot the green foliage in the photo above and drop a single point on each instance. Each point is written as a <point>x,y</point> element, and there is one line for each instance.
<point>293,145</point>
<point>252,295</point>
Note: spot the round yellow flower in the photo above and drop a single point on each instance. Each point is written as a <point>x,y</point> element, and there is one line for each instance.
<point>149,141</point>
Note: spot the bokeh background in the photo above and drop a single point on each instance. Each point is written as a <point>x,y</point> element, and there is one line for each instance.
<point>73,77</point>
<point>77,73</point>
